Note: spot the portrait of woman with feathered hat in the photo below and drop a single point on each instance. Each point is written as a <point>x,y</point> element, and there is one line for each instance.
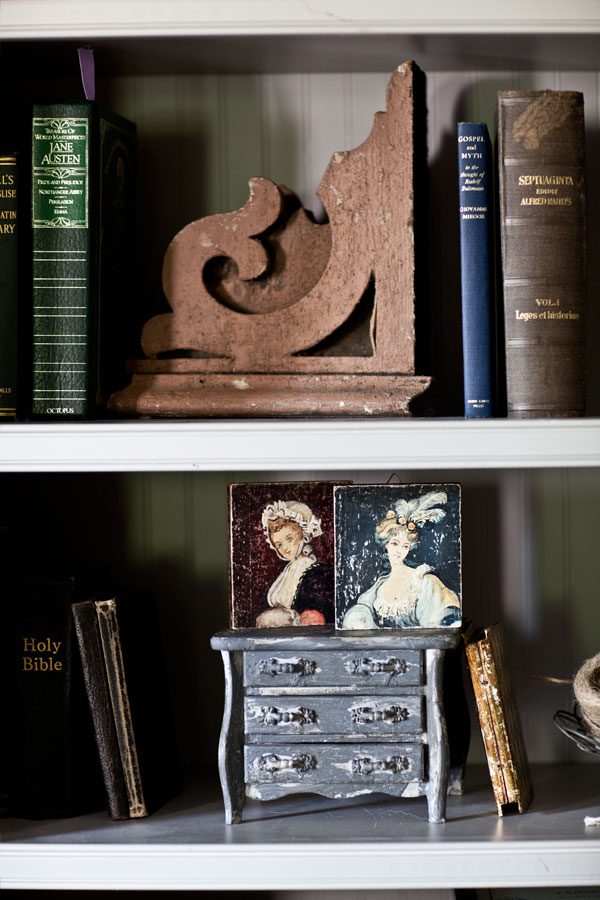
<point>398,556</point>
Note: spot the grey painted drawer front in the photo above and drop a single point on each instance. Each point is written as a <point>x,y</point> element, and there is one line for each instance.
<point>334,714</point>
<point>341,668</point>
<point>378,764</point>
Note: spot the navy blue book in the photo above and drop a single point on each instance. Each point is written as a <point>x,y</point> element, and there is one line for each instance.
<point>474,186</point>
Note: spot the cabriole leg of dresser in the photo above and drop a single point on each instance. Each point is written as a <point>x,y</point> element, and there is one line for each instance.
<point>231,742</point>
<point>437,738</point>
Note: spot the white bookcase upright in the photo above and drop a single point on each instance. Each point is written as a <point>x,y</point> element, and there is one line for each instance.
<point>222,92</point>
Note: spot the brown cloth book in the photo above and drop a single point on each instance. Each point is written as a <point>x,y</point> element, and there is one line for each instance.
<point>499,718</point>
<point>541,171</point>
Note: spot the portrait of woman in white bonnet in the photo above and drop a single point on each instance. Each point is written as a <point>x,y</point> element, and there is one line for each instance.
<point>281,554</point>
<point>302,593</point>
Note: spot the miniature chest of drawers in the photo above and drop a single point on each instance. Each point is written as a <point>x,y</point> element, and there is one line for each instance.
<point>338,713</point>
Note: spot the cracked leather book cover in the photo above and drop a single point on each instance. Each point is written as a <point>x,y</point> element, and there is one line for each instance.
<point>119,642</point>
<point>498,718</point>
<point>542,218</point>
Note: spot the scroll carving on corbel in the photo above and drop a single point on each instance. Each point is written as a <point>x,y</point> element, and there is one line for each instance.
<point>272,313</point>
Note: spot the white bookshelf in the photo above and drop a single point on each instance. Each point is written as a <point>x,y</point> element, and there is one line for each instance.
<point>60,18</point>
<point>312,844</point>
<point>308,444</point>
<point>299,80</point>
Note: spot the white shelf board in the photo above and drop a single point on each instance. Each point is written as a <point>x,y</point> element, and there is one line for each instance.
<point>309,842</point>
<point>301,445</point>
<point>126,18</point>
<point>134,37</point>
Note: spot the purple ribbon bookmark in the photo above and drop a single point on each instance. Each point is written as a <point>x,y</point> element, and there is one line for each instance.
<point>88,78</point>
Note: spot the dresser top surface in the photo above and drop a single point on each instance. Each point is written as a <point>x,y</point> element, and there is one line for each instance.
<point>328,638</point>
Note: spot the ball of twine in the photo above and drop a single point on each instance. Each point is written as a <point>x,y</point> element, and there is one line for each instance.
<point>587,693</point>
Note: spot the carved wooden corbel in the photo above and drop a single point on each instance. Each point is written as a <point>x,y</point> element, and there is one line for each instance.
<point>274,314</point>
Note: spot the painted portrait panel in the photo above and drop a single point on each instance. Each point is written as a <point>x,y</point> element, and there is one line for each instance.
<point>281,549</point>
<point>398,556</point>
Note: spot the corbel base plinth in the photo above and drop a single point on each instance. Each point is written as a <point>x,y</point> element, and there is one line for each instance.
<point>246,395</point>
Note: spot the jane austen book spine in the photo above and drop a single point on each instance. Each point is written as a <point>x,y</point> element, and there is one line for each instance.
<point>475,217</point>
<point>498,718</point>
<point>8,286</point>
<point>82,160</point>
<point>99,700</point>
<point>543,246</point>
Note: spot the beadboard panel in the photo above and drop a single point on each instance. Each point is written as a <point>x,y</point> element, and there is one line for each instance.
<point>530,560</point>
<point>287,126</point>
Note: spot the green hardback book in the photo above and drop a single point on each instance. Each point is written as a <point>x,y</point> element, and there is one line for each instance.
<point>8,285</point>
<point>83,164</point>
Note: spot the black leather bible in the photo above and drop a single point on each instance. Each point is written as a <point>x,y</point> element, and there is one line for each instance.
<point>54,769</point>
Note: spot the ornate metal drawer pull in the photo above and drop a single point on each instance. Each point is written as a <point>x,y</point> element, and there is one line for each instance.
<point>366,666</point>
<point>365,765</point>
<point>365,715</point>
<point>298,667</point>
<point>272,764</point>
<point>298,716</point>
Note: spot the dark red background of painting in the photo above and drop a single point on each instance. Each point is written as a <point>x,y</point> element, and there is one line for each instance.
<point>254,565</point>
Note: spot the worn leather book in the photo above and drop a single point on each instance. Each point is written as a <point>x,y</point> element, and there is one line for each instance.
<point>498,718</point>
<point>541,159</point>
<point>126,687</point>
<point>82,180</point>
<point>53,765</point>
<point>90,645</point>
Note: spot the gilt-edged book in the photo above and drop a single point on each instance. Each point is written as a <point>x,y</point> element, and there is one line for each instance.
<point>498,718</point>
<point>119,643</point>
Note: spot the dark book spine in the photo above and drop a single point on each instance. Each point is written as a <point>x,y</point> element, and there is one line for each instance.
<point>541,157</point>
<point>62,262</point>
<point>96,685</point>
<point>8,286</point>
<point>54,770</point>
<point>106,611</point>
<point>475,217</point>
<point>5,672</point>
